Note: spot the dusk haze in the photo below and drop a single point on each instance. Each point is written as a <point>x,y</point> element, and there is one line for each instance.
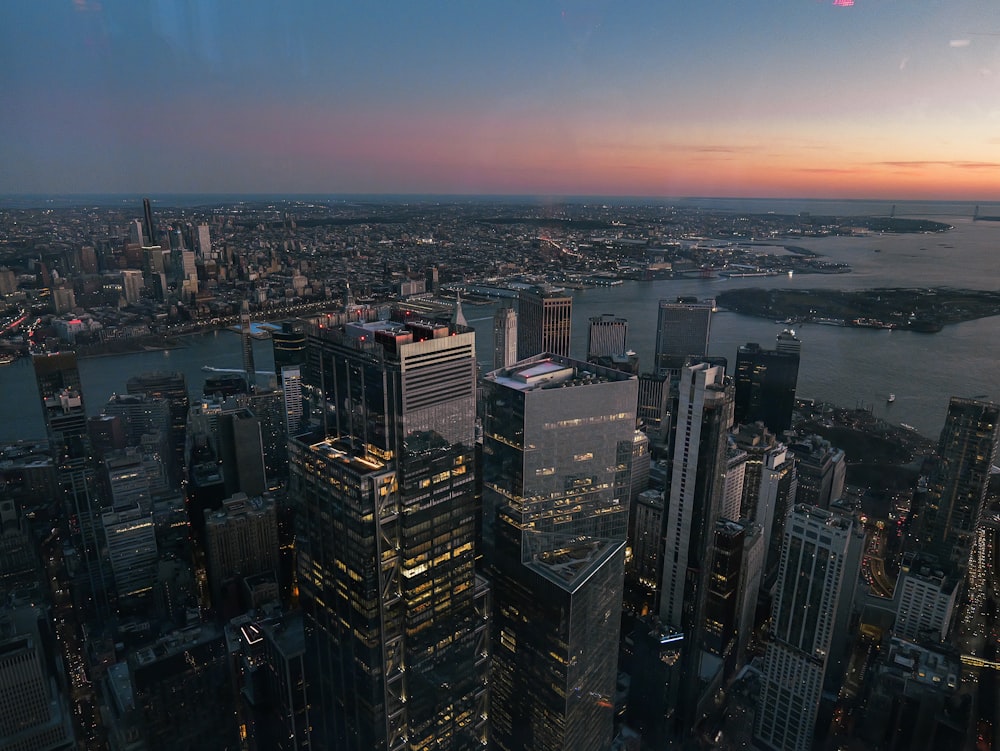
<point>831,99</point>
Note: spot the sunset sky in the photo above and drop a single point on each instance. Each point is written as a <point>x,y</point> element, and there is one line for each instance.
<point>798,98</point>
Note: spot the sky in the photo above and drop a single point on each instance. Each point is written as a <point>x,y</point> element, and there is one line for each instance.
<point>892,99</point>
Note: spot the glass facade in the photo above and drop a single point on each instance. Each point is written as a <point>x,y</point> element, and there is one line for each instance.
<point>395,616</point>
<point>557,446</point>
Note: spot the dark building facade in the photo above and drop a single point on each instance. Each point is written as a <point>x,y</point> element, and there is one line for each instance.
<point>683,328</point>
<point>765,386</point>
<point>952,507</point>
<point>395,616</point>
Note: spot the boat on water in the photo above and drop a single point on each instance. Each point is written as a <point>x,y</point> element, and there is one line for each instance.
<point>890,399</point>
<point>7,359</point>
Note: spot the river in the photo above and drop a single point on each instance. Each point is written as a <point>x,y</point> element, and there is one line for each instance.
<point>846,366</point>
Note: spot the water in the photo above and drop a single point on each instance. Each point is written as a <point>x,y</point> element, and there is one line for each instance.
<point>850,367</point>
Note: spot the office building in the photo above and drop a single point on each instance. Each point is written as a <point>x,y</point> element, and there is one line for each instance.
<point>557,434</point>
<point>606,336</point>
<point>396,618</point>
<point>269,655</point>
<point>241,539</point>
<point>63,410</point>
<point>291,394</point>
<point>544,322</point>
<point>733,481</point>
<point>148,226</point>
<point>950,513</point>
<point>653,410</point>
<point>246,340</point>
<point>33,713</point>
<point>683,328</point>
<point>504,338</point>
<point>204,242</point>
<point>765,383</point>
<point>647,540</point>
<point>141,414</point>
<point>171,386</point>
<point>820,563</point>
<point>820,470</point>
<point>127,480</point>
<point>704,416</point>
<point>289,345</point>
<point>131,544</point>
<point>925,599</point>
<point>241,450</point>
<point>182,691</point>
<point>916,701</point>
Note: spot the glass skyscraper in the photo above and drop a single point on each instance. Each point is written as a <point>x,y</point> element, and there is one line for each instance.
<point>683,327</point>
<point>395,616</point>
<point>967,449</point>
<point>557,442</point>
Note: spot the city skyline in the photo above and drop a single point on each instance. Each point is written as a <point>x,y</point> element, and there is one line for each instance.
<point>833,99</point>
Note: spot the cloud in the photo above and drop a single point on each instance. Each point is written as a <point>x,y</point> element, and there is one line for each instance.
<point>953,163</point>
<point>722,149</point>
<point>959,42</point>
<point>830,170</point>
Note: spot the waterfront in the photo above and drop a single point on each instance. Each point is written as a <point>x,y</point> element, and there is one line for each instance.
<point>849,367</point>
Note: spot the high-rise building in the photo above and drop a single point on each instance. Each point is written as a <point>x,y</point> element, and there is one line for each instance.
<point>34,714</point>
<point>241,539</point>
<point>270,655</point>
<point>606,336</point>
<point>704,416</point>
<point>544,322</point>
<point>205,242</point>
<point>925,600</point>
<point>820,561</point>
<point>241,449</point>
<point>395,616</point>
<point>504,338</point>
<point>557,434</point>
<point>131,544</point>
<point>732,488</point>
<point>171,386</point>
<point>65,416</point>
<point>821,470</point>
<point>291,390</point>
<point>947,519</point>
<point>183,692</point>
<point>246,339</point>
<point>148,226</point>
<point>683,328</point>
<point>289,345</point>
<point>765,383</point>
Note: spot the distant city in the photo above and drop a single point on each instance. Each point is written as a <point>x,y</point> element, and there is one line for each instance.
<point>457,514</point>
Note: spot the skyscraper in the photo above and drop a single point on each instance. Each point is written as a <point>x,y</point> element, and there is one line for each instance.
<point>683,328</point>
<point>504,338</point>
<point>765,383</point>
<point>820,560</point>
<point>704,416</point>
<point>557,437</point>
<point>246,340</point>
<point>147,222</point>
<point>65,418</point>
<point>967,448</point>
<point>544,322</point>
<point>606,336</point>
<point>395,616</point>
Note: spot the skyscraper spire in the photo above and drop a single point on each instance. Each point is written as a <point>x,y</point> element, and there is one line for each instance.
<point>457,316</point>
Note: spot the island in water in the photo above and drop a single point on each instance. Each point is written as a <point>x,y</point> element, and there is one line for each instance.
<point>916,309</point>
